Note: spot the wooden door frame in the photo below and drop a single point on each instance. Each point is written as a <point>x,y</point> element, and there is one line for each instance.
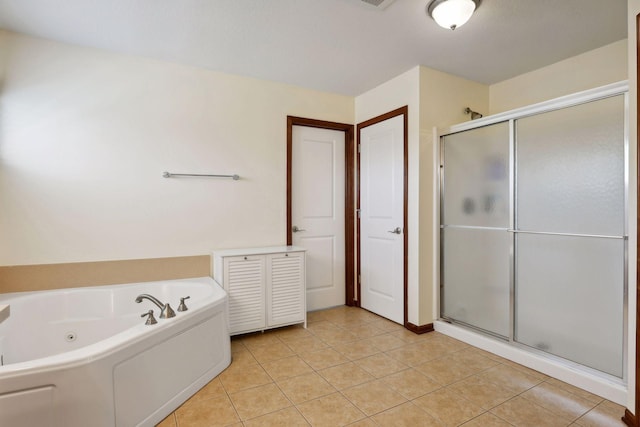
<point>631,419</point>
<point>402,111</point>
<point>349,185</point>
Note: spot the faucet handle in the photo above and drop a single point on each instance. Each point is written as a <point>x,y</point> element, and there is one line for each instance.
<point>150,320</point>
<point>183,306</point>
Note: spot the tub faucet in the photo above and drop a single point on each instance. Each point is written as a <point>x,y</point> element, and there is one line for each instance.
<point>166,311</point>
<point>150,319</point>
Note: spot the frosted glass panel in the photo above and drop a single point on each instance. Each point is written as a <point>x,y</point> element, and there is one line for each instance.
<point>476,278</point>
<point>476,177</point>
<point>569,298</point>
<point>570,169</point>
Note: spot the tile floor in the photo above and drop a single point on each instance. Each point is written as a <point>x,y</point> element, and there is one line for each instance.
<point>351,367</point>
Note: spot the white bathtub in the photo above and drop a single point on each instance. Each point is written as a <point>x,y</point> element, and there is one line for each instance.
<point>84,357</point>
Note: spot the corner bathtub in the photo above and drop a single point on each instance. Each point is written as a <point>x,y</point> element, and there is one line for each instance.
<point>84,357</point>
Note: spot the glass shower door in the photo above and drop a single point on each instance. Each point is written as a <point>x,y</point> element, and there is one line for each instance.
<point>570,247</point>
<point>475,273</point>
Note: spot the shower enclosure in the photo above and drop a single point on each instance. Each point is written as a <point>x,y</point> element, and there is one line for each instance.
<point>533,228</point>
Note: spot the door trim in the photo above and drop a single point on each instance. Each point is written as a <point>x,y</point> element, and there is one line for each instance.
<point>402,111</point>
<point>631,419</point>
<point>349,185</point>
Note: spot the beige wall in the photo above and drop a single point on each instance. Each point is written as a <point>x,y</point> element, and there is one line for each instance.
<point>86,135</point>
<point>598,67</point>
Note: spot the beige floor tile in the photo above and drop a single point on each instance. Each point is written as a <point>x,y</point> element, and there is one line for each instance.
<point>575,390</point>
<point>436,348</point>
<point>451,409</point>
<point>316,316</point>
<point>370,316</point>
<point>373,397</point>
<point>482,392</point>
<point>305,387</point>
<point>287,367</point>
<point>406,415</point>
<point>301,345</point>
<point>385,371</point>
<point>558,401</point>
<point>486,420</point>
<point>356,349</point>
<point>289,333</point>
<point>606,414</point>
<point>365,422</point>
<point>528,371</point>
<point>509,377</point>
<point>259,339</point>
<point>274,351</point>
<point>345,375</point>
<point>213,389</point>
<point>365,330</point>
<point>239,377</point>
<point>289,417</point>
<point>388,325</point>
<point>323,358</point>
<point>487,354</point>
<point>169,421</point>
<point>257,401</point>
<point>447,370</point>
<point>330,411</point>
<point>407,336</point>
<point>322,325</point>
<point>351,316</point>
<point>335,337</point>
<point>410,383</point>
<point>243,357</point>
<point>211,412</point>
<point>412,355</point>
<point>386,342</point>
<point>522,412</point>
<point>237,345</point>
<point>452,343</point>
<point>380,365</point>
<point>474,359</point>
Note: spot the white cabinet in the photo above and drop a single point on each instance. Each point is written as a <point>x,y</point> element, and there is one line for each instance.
<point>266,286</point>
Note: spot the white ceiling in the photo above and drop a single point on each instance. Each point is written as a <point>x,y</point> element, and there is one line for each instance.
<point>342,46</point>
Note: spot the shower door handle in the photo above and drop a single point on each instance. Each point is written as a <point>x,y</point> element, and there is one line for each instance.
<point>398,230</point>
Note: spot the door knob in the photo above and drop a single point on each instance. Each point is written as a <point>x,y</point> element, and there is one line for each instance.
<point>398,230</point>
<point>295,229</point>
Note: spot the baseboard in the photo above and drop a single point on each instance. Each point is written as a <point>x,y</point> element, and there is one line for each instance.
<point>629,419</point>
<point>422,329</point>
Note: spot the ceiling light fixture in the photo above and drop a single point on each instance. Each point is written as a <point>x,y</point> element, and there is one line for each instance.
<point>452,14</point>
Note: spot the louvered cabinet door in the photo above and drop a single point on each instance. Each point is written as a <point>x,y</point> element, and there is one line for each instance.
<point>244,280</point>
<point>286,288</point>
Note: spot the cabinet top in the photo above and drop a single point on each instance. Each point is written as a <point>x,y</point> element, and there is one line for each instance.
<point>257,251</point>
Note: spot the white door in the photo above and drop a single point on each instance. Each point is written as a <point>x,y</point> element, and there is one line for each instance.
<point>317,211</point>
<point>382,218</point>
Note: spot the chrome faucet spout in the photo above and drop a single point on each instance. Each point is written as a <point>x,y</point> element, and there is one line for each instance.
<point>151,298</point>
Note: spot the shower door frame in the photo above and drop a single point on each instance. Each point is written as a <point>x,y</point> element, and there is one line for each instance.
<point>608,91</point>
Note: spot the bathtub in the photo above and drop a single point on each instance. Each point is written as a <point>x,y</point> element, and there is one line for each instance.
<point>84,356</point>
